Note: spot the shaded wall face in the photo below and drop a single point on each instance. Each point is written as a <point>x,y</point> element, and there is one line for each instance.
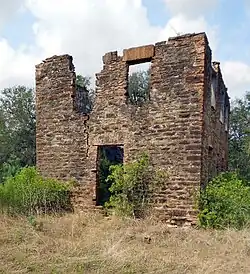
<point>216,121</point>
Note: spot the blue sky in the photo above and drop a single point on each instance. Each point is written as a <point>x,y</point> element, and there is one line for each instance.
<point>35,29</point>
<point>18,29</point>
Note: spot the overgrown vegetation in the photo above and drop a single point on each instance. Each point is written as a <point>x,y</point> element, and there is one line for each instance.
<point>28,193</point>
<point>225,202</point>
<point>91,244</point>
<point>133,186</point>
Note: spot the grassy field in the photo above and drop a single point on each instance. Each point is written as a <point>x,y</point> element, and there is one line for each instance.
<point>94,244</point>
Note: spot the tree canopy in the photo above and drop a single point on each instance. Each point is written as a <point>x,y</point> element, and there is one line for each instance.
<point>83,81</point>
<point>239,140</point>
<point>17,126</point>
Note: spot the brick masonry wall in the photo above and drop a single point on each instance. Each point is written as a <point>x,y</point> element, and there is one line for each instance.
<point>173,126</point>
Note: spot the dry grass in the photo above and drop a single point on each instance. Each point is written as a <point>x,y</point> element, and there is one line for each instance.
<point>93,244</point>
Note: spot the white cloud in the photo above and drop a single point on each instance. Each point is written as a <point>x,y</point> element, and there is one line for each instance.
<point>8,9</point>
<point>247,4</point>
<point>87,29</point>
<point>188,16</point>
<point>237,77</point>
<point>190,8</point>
<point>16,66</point>
<point>179,24</point>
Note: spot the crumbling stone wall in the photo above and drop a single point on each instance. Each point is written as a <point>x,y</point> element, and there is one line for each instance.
<point>62,135</point>
<point>175,126</point>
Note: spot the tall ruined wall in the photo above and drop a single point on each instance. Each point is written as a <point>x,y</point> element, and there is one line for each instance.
<point>61,138</point>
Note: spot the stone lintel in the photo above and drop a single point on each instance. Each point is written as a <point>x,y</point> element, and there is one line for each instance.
<point>139,54</point>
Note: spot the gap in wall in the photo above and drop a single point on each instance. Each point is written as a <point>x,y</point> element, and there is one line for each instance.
<point>85,87</point>
<point>107,155</point>
<point>139,83</point>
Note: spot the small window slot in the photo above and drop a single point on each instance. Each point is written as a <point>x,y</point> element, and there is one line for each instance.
<point>213,91</point>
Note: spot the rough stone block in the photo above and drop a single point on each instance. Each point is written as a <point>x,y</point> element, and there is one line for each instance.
<point>139,54</point>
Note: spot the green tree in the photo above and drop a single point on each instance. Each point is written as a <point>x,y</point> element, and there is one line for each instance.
<point>85,81</point>
<point>138,88</point>
<point>239,139</point>
<point>17,126</point>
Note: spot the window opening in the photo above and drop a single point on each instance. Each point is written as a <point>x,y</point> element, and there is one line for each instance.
<point>211,170</point>
<point>82,103</point>
<point>226,118</point>
<point>84,94</point>
<point>222,107</point>
<point>106,156</point>
<point>213,92</point>
<point>139,83</point>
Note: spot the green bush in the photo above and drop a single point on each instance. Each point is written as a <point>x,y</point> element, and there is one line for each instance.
<point>133,186</point>
<point>225,202</point>
<point>29,193</point>
<point>9,168</point>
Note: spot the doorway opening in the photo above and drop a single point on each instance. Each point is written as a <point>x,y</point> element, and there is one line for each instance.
<point>107,155</point>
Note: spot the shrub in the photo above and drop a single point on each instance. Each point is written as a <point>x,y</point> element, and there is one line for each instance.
<point>9,168</point>
<point>29,193</point>
<point>133,186</point>
<point>225,203</point>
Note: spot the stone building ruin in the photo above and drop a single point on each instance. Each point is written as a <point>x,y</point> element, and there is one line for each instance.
<point>183,125</point>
